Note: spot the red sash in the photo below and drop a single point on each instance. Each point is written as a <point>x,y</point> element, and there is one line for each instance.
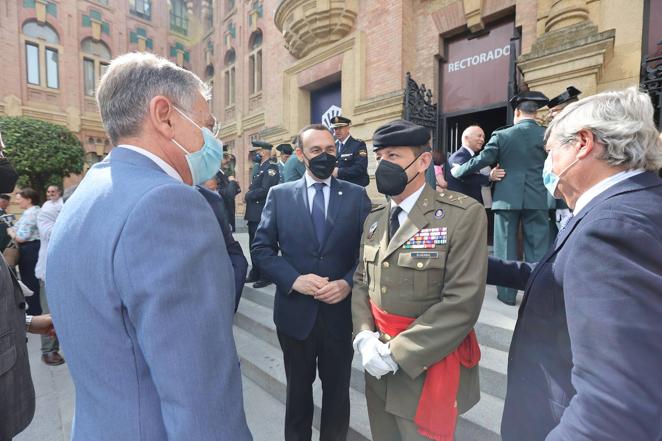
<point>436,414</point>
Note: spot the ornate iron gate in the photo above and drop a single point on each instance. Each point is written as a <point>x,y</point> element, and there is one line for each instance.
<point>651,81</point>
<point>419,108</point>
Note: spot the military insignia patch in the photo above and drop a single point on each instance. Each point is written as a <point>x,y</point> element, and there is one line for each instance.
<point>272,172</point>
<point>439,213</point>
<point>363,153</point>
<point>371,231</point>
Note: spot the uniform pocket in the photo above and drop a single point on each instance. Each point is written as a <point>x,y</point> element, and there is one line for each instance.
<point>427,274</point>
<point>369,257</point>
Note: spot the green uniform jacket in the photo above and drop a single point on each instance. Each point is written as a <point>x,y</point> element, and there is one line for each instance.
<point>520,151</point>
<point>442,288</point>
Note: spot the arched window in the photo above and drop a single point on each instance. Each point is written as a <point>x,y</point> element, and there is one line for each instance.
<point>41,55</point>
<point>255,62</point>
<point>229,74</point>
<point>96,58</point>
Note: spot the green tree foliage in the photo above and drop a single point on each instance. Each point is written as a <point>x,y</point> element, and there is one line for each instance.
<point>42,153</point>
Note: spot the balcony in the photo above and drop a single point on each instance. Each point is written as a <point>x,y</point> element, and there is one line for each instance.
<point>309,24</point>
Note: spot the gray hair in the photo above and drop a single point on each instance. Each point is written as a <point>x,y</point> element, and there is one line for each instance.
<point>622,121</point>
<point>130,83</point>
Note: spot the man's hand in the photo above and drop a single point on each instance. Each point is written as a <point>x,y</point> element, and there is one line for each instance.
<point>309,284</point>
<point>454,170</point>
<point>231,178</point>
<point>42,324</point>
<point>497,173</point>
<point>335,172</point>
<point>333,292</point>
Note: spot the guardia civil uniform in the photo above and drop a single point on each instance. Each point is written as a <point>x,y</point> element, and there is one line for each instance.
<point>520,195</point>
<point>433,269</point>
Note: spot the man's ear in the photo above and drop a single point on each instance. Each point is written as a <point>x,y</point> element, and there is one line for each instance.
<point>160,114</point>
<point>587,142</point>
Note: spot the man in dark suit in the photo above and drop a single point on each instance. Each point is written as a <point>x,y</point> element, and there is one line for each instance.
<point>352,154</point>
<point>520,196</point>
<point>585,356</point>
<point>228,188</point>
<point>266,177</point>
<point>473,139</point>
<point>316,223</point>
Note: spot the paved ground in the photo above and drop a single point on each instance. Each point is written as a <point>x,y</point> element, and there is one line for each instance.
<point>265,414</point>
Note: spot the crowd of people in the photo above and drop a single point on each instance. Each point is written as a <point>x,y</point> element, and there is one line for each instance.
<point>144,275</point>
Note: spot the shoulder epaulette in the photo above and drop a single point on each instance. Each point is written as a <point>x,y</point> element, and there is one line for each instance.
<point>456,199</point>
<point>378,207</point>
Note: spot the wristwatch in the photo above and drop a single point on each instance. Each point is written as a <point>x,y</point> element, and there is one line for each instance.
<point>28,322</point>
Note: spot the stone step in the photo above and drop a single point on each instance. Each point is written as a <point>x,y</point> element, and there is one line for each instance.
<point>255,315</point>
<point>259,350</point>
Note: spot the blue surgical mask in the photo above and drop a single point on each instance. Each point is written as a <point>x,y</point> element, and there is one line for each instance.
<point>551,179</point>
<point>204,163</point>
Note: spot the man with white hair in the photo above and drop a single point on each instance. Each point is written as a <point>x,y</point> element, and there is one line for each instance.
<point>139,280</point>
<point>473,139</point>
<point>585,357</point>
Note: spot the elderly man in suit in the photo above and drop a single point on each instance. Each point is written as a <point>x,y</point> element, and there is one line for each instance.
<point>520,196</point>
<point>316,223</point>
<point>585,357</point>
<point>473,139</point>
<point>138,276</point>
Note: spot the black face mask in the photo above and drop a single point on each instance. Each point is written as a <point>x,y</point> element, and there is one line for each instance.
<point>391,178</point>
<point>8,176</point>
<point>322,165</point>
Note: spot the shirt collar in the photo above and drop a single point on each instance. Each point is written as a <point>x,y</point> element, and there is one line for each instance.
<point>408,204</point>
<point>601,187</point>
<point>158,161</point>
<point>471,152</point>
<point>310,181</point>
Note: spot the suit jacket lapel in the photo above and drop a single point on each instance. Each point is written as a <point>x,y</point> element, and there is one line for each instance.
<point>335,201</point>
<point>301,200</point>
<point>414,222</point>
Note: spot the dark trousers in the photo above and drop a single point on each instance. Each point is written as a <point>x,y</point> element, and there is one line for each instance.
<point>331,355</point>
<point>255,272</point>
<point>27,260</point>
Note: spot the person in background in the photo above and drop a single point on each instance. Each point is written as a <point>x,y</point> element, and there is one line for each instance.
<point>294,168</point>
<point>439,182</point>
<point>26,234</point>
<point>286,151</point>
<point>352,154</point>
<point>228,187</point>
<point>49,212</point>
<point>4,237</point>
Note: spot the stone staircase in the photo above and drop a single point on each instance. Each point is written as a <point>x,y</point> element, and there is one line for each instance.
<point>262,364</point>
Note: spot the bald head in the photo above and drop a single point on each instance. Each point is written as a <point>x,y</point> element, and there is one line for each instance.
<point>473,137</point>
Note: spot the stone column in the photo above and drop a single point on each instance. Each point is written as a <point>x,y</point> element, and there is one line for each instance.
<point>571,51</point>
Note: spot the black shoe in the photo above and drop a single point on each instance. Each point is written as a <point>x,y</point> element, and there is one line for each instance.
<point>510,301</point>
<point>261,284</point>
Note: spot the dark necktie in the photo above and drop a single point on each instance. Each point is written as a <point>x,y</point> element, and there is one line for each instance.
<point>394,223</point>
<point>319,219</point>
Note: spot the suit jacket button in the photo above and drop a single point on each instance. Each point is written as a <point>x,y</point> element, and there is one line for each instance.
<point>385,265</point>
<point>383,290</point>
<point>419,265</point>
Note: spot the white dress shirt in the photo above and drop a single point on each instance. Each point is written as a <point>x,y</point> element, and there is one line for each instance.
<point>602,186</point>
<point>158,161</point>
<point>45,221</point>
<point>408,204</point>
<point>326,190</point>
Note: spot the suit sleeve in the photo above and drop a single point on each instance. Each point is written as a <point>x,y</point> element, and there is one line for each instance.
<point>440,330</point>
<point>488,156</point>
<point>508,273</point>
<point>364,210</point>
<point>265,248</point>
<point>166,266</point>
<point>359,167</point>
<point>616,338</point>
<point>362,319</point>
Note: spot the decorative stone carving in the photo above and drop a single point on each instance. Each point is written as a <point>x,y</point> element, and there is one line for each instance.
<point>565,13</point>
<point>310,24</point>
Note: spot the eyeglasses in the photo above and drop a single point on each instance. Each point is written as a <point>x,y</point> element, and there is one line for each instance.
<point>214,128</point>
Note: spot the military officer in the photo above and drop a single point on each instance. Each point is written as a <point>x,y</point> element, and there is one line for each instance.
<point>560,102</point>
<point>352,154</point>
<point>520,195</point>
<point>418,291</point>
<point>285,151</point>
<point>266,177</point>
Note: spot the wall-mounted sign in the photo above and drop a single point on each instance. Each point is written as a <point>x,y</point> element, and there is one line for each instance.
<point>476,73</point>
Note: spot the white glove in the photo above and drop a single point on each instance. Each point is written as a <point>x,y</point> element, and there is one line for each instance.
<point>368,345</point>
